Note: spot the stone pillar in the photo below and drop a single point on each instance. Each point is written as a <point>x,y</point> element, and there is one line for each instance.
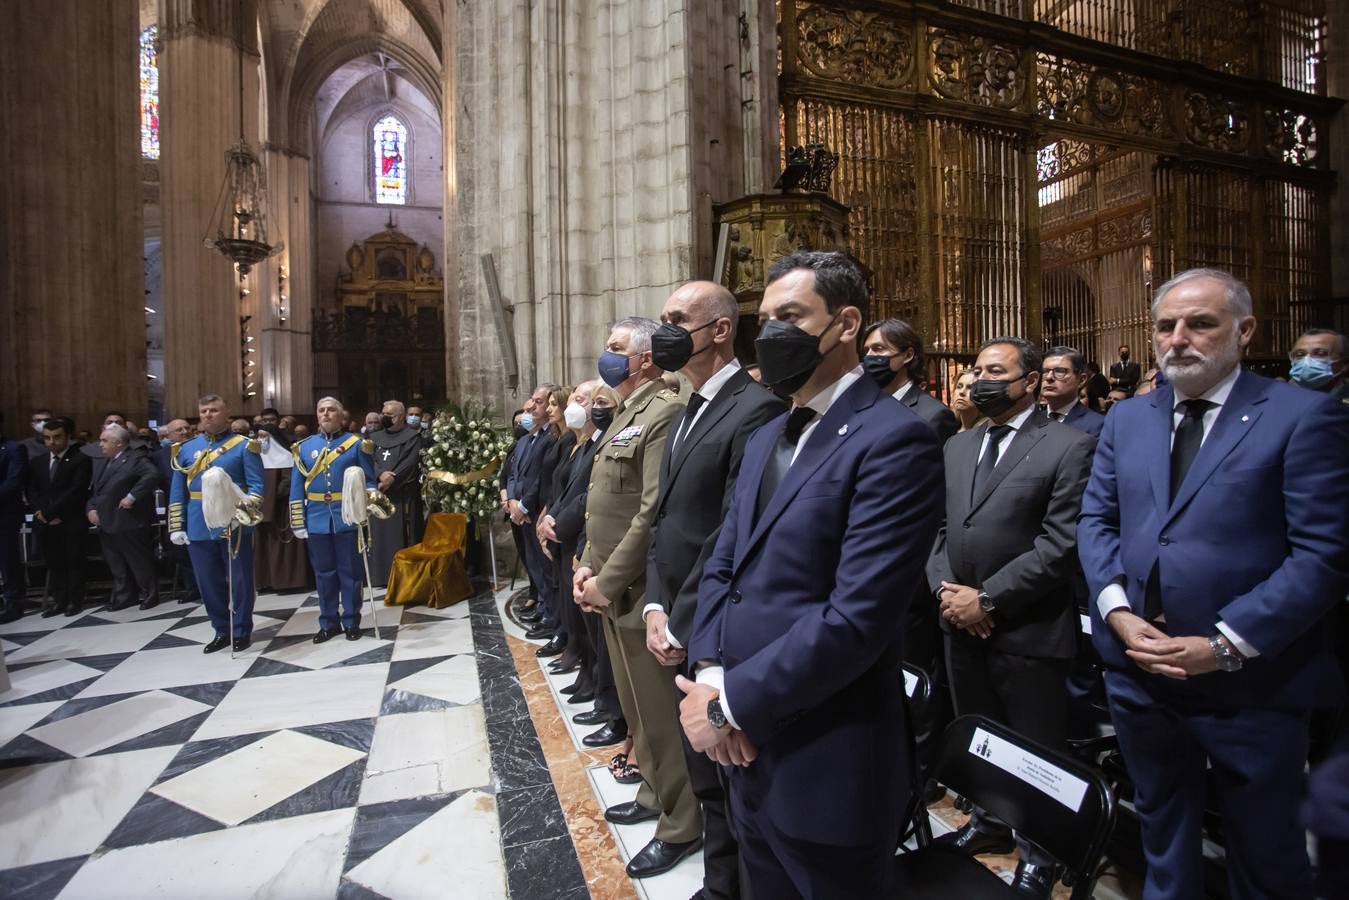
<point>286,363</point>
<point>199,121</point>
<point>71,245</point>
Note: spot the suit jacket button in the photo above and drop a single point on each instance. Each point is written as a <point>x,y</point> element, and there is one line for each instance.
<point>967,524</point>
<point>587,516</point>
<point>1164,541</point>
<point>735,596</point>
<point>591,486</point>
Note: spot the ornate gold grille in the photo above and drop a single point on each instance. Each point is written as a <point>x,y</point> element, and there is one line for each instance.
<point>1038,166</point>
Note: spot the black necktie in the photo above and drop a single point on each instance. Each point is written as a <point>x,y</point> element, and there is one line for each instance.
<point>781,459</point>
<point>51,469</point>
<point>989,461</point>
<point>690,412</point>
<point>1189,436</point>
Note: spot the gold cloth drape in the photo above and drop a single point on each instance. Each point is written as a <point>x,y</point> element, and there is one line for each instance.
<point>432,572</point>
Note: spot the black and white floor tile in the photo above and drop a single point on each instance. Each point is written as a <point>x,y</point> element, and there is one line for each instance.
<point>133,765</point>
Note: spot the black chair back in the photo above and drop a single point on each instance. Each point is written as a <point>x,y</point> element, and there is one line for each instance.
<point>1058,802</point>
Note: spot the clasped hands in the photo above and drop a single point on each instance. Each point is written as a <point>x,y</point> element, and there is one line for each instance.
<point>658,639</point>
<point>585,590</point>
<point>1155,651</point>
<point>727,746</point>
<point>960,606</point>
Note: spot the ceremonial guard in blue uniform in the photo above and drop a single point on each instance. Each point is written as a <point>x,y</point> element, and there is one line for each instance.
<point>321,463</point>
<point>211,552</point>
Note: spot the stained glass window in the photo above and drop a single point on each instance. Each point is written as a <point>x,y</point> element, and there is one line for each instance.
<point>391,181</point>
<point>149,93</point>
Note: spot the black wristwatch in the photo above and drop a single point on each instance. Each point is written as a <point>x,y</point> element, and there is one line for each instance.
<point>986,602</point>
<point>715,716</point>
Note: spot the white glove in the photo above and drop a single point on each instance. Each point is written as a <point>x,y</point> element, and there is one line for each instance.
<point>179,538</point>
<point>301,533</point>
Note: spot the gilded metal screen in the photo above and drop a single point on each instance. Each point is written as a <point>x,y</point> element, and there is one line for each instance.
<point>1039,166</point>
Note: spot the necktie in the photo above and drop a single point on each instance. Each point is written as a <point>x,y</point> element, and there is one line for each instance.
<point>989,461</point>
<point>1189,435</point>
<point>781,459</point>
<point>51,469</point>
<point>690,413</point>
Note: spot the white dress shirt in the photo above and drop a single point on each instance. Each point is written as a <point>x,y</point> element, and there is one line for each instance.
<point>708,392</point>
<point>715,675</point>
<point>1058,415</point>
<point>1112,596</point>
<point>903,391</point>
<point>1016,423</point>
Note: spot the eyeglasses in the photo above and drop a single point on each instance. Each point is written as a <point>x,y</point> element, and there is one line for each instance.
<point>1058,372</point>
<point>1314,353</point>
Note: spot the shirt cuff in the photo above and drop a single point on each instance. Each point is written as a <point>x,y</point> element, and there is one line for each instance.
<point>1243,648</point>
<point>651,607</point>
<point>669,636</point>
<point>131,497</point>
<point>1111,598</point>
<point>522,508</point>
<point>716,677</point>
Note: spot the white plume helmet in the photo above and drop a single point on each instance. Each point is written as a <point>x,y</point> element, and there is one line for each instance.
<point>353,496</point>
<point>220,497</point>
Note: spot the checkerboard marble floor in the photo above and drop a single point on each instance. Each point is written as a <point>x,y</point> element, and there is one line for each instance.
<point>132,765</point>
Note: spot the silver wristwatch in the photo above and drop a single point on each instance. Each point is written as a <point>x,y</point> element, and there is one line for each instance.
<point>1228,659</point>
<point>986,602</point>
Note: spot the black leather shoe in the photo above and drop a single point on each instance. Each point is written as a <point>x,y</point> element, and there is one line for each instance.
<point>590,717</point>
<point>50,611</point>
<point>612,733</point>
<point>217,643</point>
<point>660,856</point>
<point>11,614</point>
<point>631,813</point>
<point>554,646</point>
<point>565,663</point>
<point>72,610</point>
<point>353,634</point>
<point>582,697</point>
<point>243,643</point>
<point>150,604</point>
<point>570,689</point>
<point>1034,881</point>
<point>531,617</point>
<point>326,633</point>
<point>969,840</point>
<point>114,607</point>
<point>539,631</point>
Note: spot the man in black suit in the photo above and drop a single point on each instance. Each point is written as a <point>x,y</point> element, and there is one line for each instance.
<point>58,483</point>
<point>1124,375</point>
<point>121,507</point>
<point>1063,375</point>
<point>896,362</point>
<point>522,505</point>
<point>33,444</point>
<point>1001,569</point>
<point>697,477</point>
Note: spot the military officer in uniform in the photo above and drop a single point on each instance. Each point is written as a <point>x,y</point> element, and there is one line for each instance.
<point>321,463</point>
<point>398,448</point>
<point>212,554</point>
<point>611,578</point>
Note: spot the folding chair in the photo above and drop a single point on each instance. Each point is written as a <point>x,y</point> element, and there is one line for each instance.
<point>1054,800</point>
<point>917,699</point>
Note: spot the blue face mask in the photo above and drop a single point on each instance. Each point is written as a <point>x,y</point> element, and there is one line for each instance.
<point>527,422</point>
<point>1311,372</point>
<point>414,421</point>
<point>614,367</point>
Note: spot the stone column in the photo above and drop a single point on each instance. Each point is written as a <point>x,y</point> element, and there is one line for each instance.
<point>199,121</point>
<point>71,244</point>
<point>286,363</point>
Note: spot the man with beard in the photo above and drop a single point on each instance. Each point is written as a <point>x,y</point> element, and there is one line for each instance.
<point>398,449</point>
<point>1213,542</point>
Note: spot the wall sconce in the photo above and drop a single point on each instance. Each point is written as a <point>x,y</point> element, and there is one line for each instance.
<point>282,313</point>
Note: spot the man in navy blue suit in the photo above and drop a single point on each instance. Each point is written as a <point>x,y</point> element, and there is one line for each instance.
<point>799,631</point>
<point>1214,541</point>
<point>1063,374</point>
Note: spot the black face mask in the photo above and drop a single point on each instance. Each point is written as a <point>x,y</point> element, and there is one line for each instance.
<point>877,368</point>
<point>672,346</point>
<point>520,431</point>
<point>386,422</point>
<point>789,355</point>
<point>1124,357</point>
<point>602,417</point>
<point>993,398</point>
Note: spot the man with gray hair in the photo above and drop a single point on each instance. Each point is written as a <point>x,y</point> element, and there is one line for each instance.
<point>611,579</point>
<point>398,472</point>
<point>122,507</point>
<point>1213,545</point>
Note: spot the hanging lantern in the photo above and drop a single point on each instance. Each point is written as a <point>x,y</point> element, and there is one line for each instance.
<point>239,222</point>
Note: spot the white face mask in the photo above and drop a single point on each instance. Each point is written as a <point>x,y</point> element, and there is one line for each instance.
<point>575,416</point>
<point>37,426</point>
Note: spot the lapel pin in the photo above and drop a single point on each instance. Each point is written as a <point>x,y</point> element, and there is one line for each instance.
<point>1245,418</point>
<point>844,430</point>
